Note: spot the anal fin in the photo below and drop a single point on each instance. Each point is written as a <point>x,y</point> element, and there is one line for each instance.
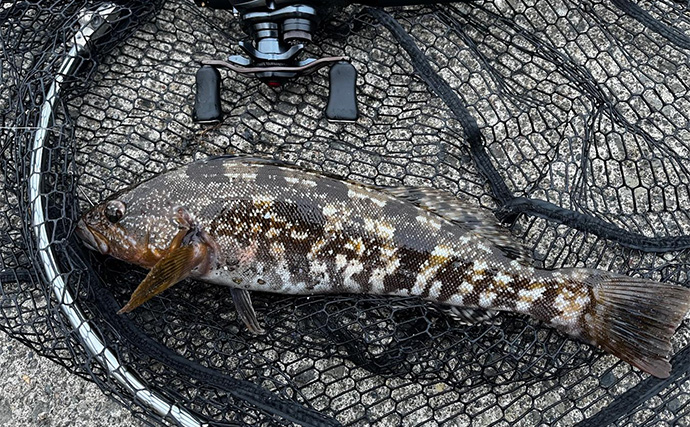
<point>245,310</point>
<point>469,316</point>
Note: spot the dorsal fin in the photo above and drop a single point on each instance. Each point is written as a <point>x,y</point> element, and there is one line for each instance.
<point>474,218</point>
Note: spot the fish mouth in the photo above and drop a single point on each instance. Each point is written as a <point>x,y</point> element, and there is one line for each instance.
<point>91,238</point>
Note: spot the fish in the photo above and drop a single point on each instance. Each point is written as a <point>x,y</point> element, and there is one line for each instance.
<point>254,224</point>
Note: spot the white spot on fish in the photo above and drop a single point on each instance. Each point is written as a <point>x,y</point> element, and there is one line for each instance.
<point>502,278</point>
<point>269,215</point>
<point>422,219</point>
<point>379,202</point>
<point>523,306</point>
<point>365,195</point>
<point>380,228</point>
<point>263,199</point>
<point>329,210</point>
<point>579,275</point>
<point>299,235</point>
<point>484,247</point>
<point>340,261</point>
<point>322,286</point>
<point>297,181</point>
<point>353,268</point>
<point>570,306</point>
<point>273,232</point>
<point>531,295</point>
<point>356,194</point>
<point>277,249</point>
<point>486,299</point>
<point>568,319</point>
<point>386,230</point>
<point>356,245</point>
<point>480,266</point>
<point>281,269</point>
<point>435,290</point>
<point>333,225</point>
<point>376,281</point>
<point>582,300</point>
<point>438,259</point>
<point>420,283</point>
<point>455,299</point>
<point>379,274</point>
<point>388,251</point>
<point>317,267</point>
<point>465,288</point>
<point>392,265</point>
<point>443,251</point>
<point>561,303</point>
<point>403,292</point>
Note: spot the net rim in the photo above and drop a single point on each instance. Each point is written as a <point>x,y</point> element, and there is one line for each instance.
<point>93,24</point>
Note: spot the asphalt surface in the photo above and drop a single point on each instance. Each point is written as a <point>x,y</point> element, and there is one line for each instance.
<point>35,391</point>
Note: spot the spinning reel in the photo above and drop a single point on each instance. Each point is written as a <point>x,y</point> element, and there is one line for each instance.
<point>279,32</point>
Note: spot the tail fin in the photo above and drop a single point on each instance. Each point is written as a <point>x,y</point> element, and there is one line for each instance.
<point>634,319</point>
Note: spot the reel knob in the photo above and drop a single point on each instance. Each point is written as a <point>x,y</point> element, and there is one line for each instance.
<point>207,109</point>
<point>342,99</point>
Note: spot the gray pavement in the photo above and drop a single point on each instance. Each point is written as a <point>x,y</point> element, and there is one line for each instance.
<point>34,391</point>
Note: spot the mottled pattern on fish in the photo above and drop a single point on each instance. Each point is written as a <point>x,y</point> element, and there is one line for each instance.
<point>281,229</point>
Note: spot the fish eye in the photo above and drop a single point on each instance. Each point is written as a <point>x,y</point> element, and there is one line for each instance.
<point>115,210</point>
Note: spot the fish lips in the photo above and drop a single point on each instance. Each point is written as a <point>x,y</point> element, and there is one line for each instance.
<point>91,238</point>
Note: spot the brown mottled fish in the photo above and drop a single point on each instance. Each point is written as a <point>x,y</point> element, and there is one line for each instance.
<point>257,225</point>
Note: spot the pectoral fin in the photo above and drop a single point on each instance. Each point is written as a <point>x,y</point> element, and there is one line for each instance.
<point>245,310</point>
<point>175,266</point>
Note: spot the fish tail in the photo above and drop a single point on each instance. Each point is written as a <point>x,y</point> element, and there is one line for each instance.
<point>634,319</point>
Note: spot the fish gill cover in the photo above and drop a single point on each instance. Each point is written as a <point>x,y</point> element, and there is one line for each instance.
<point>569,119</point>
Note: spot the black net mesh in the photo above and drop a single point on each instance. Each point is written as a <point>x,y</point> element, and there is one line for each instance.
<point>570,119</point>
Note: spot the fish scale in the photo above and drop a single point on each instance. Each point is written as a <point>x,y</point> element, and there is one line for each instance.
<point>257,225</point>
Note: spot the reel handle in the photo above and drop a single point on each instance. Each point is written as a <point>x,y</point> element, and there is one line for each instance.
<point>207,109</point>
<point>342,99</point>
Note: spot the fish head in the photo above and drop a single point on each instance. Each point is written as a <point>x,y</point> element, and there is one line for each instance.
<point>116,227</point>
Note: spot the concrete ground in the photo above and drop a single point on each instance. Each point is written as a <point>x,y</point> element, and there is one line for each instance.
<point>35,391</point>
